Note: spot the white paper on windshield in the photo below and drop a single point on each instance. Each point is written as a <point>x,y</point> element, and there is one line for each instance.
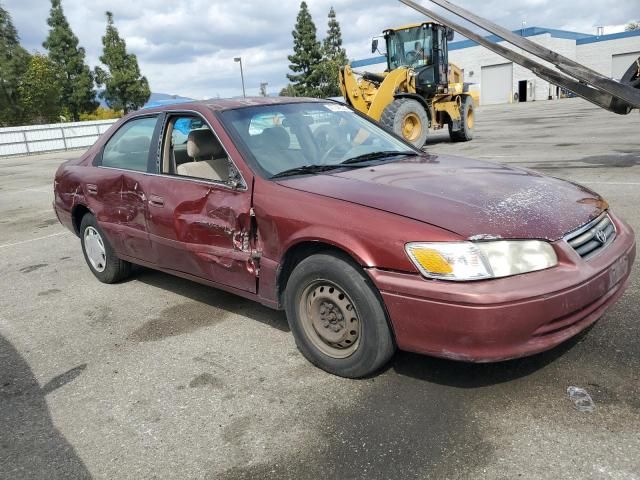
<point>334,107</point>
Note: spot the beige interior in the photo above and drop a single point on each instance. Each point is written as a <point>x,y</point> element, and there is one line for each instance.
<point>205,157</point>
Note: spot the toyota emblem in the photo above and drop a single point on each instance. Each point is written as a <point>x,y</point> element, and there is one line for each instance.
<point>601,236</point>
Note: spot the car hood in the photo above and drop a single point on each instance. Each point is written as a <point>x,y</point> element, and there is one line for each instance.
<point>475,199</point>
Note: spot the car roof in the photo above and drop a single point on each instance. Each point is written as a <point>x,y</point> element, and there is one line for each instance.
<point>230,103</point>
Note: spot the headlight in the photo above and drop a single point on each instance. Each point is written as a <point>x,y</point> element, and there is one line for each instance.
<point>480,260</point>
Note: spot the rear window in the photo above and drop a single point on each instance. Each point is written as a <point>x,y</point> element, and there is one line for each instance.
<point>128,148</point>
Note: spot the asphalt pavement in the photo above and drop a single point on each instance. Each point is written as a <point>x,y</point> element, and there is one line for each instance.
<point>159,377</point>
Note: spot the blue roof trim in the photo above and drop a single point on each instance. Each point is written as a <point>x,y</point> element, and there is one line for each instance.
<point>368,61</point>
<point>527,32</point>
<point>169,101</point>
<point>611,36</point>
<point>580,38</point>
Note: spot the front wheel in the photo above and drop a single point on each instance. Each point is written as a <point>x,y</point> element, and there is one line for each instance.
<point>408,119</point>
<point>337,317</point>
<point>467,122</point>
<point>99,254</point>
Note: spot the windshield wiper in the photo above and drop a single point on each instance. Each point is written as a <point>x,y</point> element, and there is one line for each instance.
<point>310,169</point>
<point>306,169</point>
<point>377,155</point>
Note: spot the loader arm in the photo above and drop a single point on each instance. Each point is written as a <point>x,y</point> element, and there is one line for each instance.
<point>592,86</point>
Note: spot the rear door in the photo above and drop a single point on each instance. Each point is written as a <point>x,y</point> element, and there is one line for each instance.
<point>201,225</point>
<point>118,191</point>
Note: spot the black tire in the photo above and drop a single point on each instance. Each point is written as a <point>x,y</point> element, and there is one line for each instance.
<point>396,113</point>
<point>467,114</point>
<point>374,346</point>
<point>114,269</point>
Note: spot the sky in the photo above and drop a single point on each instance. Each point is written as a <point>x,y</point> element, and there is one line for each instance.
<point>187,47</point>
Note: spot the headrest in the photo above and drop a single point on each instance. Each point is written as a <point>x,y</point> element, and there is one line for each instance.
<point>276,137</point>
<point>203,144</point>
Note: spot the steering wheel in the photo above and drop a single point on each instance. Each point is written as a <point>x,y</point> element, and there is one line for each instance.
<point>332,150</point>
<point>323,136</point>
<point>412,57</point>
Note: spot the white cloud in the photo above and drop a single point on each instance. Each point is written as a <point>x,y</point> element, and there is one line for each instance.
<point>188,47</point>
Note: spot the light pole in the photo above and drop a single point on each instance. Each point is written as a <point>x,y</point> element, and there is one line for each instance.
<point>239,60</point>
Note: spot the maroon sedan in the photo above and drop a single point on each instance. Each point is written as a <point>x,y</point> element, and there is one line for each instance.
<point>367,243</point>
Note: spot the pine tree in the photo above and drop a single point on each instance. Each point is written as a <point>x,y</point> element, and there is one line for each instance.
<point>40,89</point>
<point>14,61</point>
<point>306,55</point>
<point>125,88</point>
<point>78,94</point>
<point>333,57</point>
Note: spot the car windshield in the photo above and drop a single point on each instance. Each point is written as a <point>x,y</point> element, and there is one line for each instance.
<point>306,138</point>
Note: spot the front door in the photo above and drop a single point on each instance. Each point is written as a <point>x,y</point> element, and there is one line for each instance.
<point>118,194</point>
<point>199,218</point>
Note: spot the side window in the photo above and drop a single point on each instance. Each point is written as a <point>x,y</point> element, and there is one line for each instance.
<point>129,147</point>
<point>191,149</point>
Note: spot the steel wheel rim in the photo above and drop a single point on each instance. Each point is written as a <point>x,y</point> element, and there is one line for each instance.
<point>411,126</point>
<point>329,319</point>
<point>470,119</point>
<point>94,247</point>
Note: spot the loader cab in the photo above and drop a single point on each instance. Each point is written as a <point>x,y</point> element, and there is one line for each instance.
<point>423,48</point>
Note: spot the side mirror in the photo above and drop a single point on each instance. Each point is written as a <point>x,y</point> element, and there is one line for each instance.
<point>450,35</point>
<point>374,45</point>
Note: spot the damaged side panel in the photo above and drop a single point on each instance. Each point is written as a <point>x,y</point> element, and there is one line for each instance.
<point>202,229</point>
<point>118,199</point>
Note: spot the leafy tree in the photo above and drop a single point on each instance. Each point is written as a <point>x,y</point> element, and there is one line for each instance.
<point>288,91</point>
<point>632,26</point>
<point>101,113</point>
<point>125,88</point>
<point>333,57</point>
<point>306,55</point>
<point>14,61</point>
<point>41,90</point>
<point>78,94</point>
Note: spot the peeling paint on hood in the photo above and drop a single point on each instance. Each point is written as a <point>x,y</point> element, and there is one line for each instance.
<point>464,196</point>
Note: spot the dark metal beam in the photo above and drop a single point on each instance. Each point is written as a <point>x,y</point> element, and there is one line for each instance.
<point>597,97</point>
<point>564,64</point>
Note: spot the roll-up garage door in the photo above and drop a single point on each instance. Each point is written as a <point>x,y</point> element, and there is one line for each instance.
<point>496,84</point>
<point>620,63</point>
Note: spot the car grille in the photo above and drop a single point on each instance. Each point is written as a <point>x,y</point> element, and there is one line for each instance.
<point>593,237</point>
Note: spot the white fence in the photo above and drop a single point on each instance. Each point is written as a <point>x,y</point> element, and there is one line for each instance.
<point>49,138</point>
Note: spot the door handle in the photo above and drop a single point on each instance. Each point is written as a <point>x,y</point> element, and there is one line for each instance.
<point>156,201</point>
<point>92,189</point>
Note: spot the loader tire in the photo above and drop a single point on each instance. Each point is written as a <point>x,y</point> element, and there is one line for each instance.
<point>467,115</point>
<point>408,119</point>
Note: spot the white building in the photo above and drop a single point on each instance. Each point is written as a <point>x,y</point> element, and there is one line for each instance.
<point>501,81</point>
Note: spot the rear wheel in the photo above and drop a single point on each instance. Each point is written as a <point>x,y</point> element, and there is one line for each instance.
<point>467,121</point>
<point>336,316</point>
<point>99,254</point>
<point>407,118</point>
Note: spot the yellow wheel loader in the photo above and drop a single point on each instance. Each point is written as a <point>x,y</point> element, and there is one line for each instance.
<point>419,89</point>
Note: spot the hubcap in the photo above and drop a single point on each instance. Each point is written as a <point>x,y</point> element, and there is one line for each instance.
<point>94,247</point>
<point>411,127</point>
<point>470,119</point>
<point>329,319</point>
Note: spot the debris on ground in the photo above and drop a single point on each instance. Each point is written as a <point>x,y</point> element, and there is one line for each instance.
<point>582,401</point>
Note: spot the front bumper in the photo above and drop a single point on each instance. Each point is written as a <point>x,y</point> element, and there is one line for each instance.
<point>512,317</point>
